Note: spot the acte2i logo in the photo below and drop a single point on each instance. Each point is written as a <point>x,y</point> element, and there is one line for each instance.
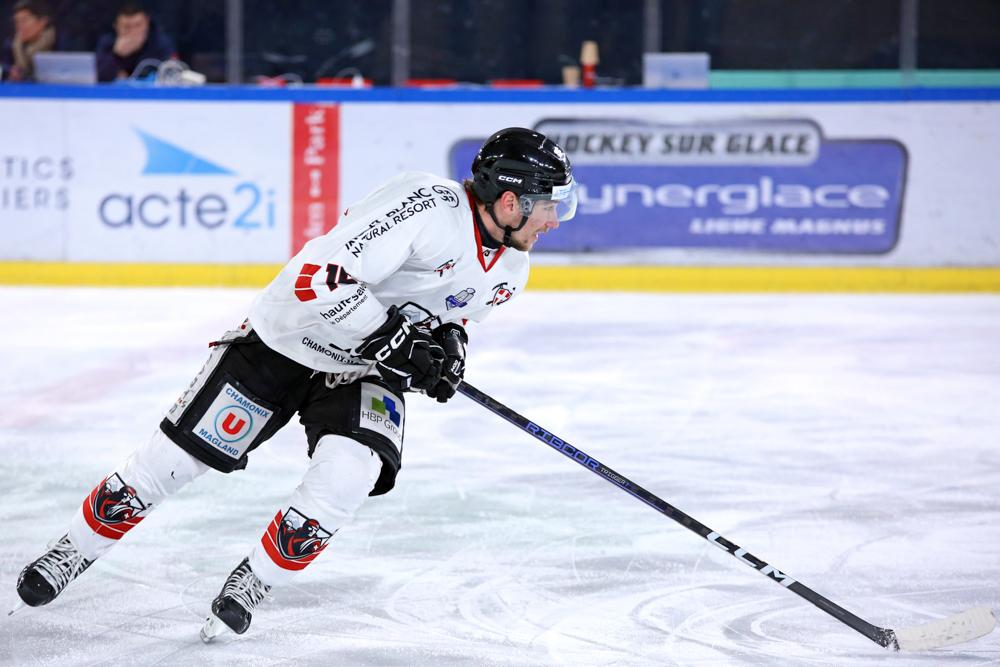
<point>243,205</point>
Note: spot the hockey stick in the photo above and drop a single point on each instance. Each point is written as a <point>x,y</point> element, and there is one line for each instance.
<point>954,629</point>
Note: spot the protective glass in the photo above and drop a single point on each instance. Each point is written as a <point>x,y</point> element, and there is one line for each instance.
<point>561,203</point>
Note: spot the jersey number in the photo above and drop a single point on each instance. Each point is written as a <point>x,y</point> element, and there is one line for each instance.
<point>335,276</point>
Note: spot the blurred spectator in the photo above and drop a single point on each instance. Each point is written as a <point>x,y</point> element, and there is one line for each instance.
<point>136,38</point>
<point>33,33</point>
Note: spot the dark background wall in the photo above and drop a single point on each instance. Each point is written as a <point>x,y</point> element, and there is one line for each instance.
<point>482,40</point>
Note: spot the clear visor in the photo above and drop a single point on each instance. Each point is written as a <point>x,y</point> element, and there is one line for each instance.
<point>560,204</point>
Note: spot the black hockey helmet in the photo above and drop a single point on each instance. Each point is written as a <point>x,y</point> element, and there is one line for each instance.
<point>530,165</point>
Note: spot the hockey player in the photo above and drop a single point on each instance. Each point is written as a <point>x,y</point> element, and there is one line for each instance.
<point>361,316</point>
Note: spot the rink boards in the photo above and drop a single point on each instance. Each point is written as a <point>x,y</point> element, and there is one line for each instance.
<point>822,190</point>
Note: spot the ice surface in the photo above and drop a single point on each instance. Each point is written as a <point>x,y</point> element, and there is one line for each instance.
<point>851,441</point>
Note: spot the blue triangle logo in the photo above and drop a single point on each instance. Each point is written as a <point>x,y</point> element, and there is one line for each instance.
<point>166,158</point>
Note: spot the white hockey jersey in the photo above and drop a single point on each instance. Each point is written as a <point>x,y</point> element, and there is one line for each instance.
<point>412,243</point>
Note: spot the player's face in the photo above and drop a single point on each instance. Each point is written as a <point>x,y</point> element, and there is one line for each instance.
<point>541,221</point>
<point>543,218</point>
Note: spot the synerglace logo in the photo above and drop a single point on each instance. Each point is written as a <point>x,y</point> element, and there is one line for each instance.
<point>746,184</point>
<point>242,205</point>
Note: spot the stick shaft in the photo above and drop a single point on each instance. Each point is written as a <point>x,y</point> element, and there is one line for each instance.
<point>881,636</point>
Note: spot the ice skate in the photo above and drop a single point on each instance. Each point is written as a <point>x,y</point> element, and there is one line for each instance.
<point>45,578</point>
<point>233,607</point>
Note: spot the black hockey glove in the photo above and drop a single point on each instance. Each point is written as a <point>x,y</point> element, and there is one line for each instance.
<point>452,339</point>
<point>405,356</point>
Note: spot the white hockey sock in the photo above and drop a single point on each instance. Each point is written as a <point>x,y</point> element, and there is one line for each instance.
<point>337,482</point>
<point>120,501</point>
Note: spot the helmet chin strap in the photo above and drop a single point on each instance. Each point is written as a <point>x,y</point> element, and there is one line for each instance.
<point>507,231</point>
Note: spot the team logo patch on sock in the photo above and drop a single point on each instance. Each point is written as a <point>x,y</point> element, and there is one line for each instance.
<point>113,508</point>
<point>293,540</point>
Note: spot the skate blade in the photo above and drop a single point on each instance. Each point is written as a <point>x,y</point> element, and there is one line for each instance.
<point>212,628</point>
<point>18,607</point>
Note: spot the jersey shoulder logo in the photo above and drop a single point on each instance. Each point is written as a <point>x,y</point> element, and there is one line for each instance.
<point>461,299</point>
<point>501,294</point>
<point>445,266</point>
<point>446,194</point>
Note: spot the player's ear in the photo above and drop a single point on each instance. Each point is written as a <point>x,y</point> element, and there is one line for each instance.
<point>508,201</point>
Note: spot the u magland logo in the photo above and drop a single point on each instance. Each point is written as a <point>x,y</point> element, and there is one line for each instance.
<point>187,191</point>
<point>232,423</point>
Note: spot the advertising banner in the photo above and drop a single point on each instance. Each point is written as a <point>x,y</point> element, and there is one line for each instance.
<point>753,182</point>
<point>184,182</point>
<point>247,182</point>
<point>37,177</point>
<point>315,171</point>
<point>179,182</point>
<point>775,185</point>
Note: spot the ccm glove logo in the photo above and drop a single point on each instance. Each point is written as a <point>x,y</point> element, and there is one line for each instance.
<point>406,357</point>
<point>395,342</point>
